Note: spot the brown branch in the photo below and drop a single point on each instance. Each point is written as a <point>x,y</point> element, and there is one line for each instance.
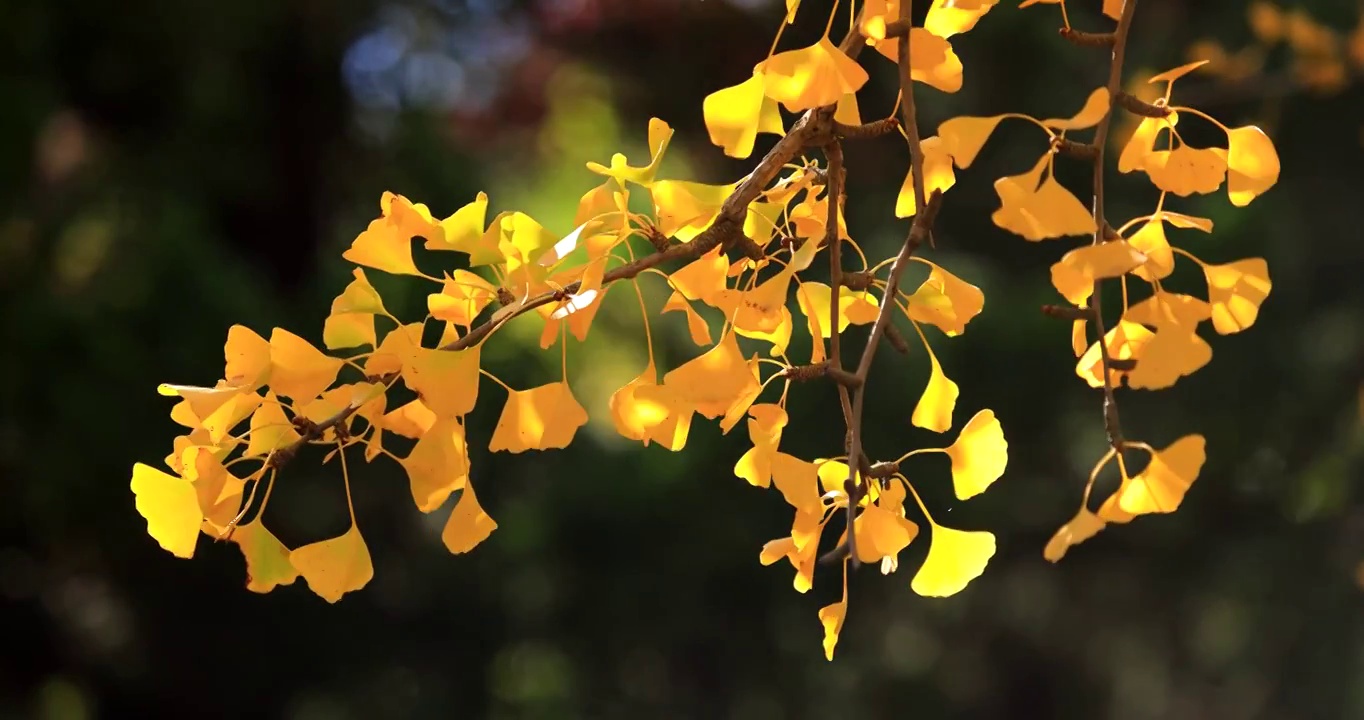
<point>897,29</point>
<point>1112,423</point>
<point>834,240</point>
<point>1072,149</point>
<point>1132,103</point>
<point>1087,39</point>
<point>874,129</point>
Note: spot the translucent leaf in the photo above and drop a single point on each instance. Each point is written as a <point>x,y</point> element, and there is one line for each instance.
<point>171,508</point>
<point>1150,241</point>
<point>1094,110</point>
<point>1185,171</point>
<point>735,115</point>
<point>462,297</point>
<point>348,331</point>
<point>798,481</point>
<point>1252,164</point>
<point>247,358</point>
<point>542,418</point>
<point>299,370</point>
<point>854,307</point>
<point>703,277</point>
<point>934,410</point>
<point>270,429</point>
<point>660,133</point>
<point>1113,8</point>
<point>336,566</point>
<point>468,524</point>
<point>1074,275</point>
<point>945,301</point>
<point>979,455</point>
<point>1126,340</point>
<point>1236,291</point>
<point>1161,487</point>
<point>387,243</point>
<point>445,380</point>
<point>965,136</point>
<point>831,618</point>
<point>764,430</point>
<point>949,17</point>
<point>881,534</point>
<point>1143,141</point>
<point>811,77</point>
<point>1177,73</point>
<point>267,559</point>
<point>438,464</point>
<point>1082,527</point>
<point>683,209</point>
<point>512,237</point>
<point>955,558</point>
<point>938,175</point>
<point>696,325</point>
<point>1040,212</point>
<point>462,230</point>
<point>712,382</point>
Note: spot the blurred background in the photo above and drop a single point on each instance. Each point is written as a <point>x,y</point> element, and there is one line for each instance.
<point>168,169</point>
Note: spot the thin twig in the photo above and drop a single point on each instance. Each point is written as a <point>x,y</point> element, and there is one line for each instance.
<point>1112,425</point>
<point>833,152</point>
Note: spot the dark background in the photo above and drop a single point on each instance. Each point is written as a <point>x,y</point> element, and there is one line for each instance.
<point>168,169</point>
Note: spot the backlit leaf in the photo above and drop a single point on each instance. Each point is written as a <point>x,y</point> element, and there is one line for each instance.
<point>979,455</point>
<point>336,566</point>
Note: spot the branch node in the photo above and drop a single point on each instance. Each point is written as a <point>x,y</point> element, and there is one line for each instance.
<point>1072,149</point>
<point>857,281</point>
<point>1080,38</point>
<point>1067,312</point>
<point>896,340</point>
<point>657,238</point>
<point>883,469</point>
<point>1137,106</point>
<point>874,129</point>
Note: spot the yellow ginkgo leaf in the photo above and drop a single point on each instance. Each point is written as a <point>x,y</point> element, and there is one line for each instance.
<point>1149,240</point>
<point>631,417</point>
<point>667,414</point>
<point>438,464</point>
<point>798,482</point>
<point>219,491</point>
<point>411,420</point>
<point>1160,488</point>
<point>1040,211</point>
<point>949,17</point>
<point>714,381</point>
<point>735,115</point>
<point>945,301</point>
<point>1177,73</point>
<point>463,229</point>
<point>170,506</point>
<point>247,358</point>
<point>938,175</point>
<point>811,77</point>
<point>468,524</point>
<point>1252,164</point>
<point>1176,350</point>
<point>1185,171</point>
<point>683,209</point>
<point>931,60</point>
<point>1074,275</point>
<point>965,136</point>
<point>1126,341</point>
<point>979,455</point>
<point>1113,8</point>
<point>387,243</point>
<point>831,619</point>
<point>1143,142</point>
<point>881,533</point>
<point>934,410</point>
<point>955,558</point>
<point>696,325</point>
<point>270,429</point>
<point>445,380</point>
<point>1082,527</point>
<point>348,330</point>
<point>854,307</point>
<point>297,369</point>
<point>515,238</point>
<point>660,133</point>
<point>1094,110</point>
<point>1164,309</point>
<point>396,346</point>
<point>1236,291</point>
<point>703,277</point>
<point>541,418</point>
<point>267,559</point>
<point>461,299</point>
<point>764,430</point>
<point>335,566</point>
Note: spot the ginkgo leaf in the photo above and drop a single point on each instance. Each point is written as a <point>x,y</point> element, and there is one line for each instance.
<point>938,175</point>
<point>1150,241</point>
<point>741,402</point>
<point>219,492</point>
<point>267,559</point>
<point>696,325</point>
<point>881,534</point>
<point>348,330</point>
<point>955,558</point>
<point>462,230</point>
<point>462,297</point>
<point>979,455</point>
<point>668,415</point>
<point>1126,341</point>
<point>387,243</point>
<point>798,482</point>
<point>1094,110</point>
<point>1040,211</point>
<point>735,115</point>
<point>170,506</point>
<point>950,17</point>
<point>468,524</point>
<point>445,380</point>
<point>831,619</point>
<point>397,345</point>
<point>1177,73</point>
<point>247,358</point>
<point>410,420</point>
<point>1113,8</point>
<point>1160,488</point>
<point>1143,141</point>
<point>945,301</point>
<point>714,381</point>
<point>1185,171</point>
<point>270,429</point>
<point>854,307</point>
<point>660,133</point>
<point>811,77</point>
<point>1176,350</point>
<point>541,418</point>
<point>764,430</point>
<point>513,237</point>
<point>931,60</point>
<point>683,209</point>
<point>335,566</point>
<point>1074,275</point>
<point>934,410</point>
<point>1082,527</point>
<point>1236,291</point>
<point>438,464</point>
<point>703,277</point>
<point>299,370</point>
<point>1252,164</point>
<point>965,136</point>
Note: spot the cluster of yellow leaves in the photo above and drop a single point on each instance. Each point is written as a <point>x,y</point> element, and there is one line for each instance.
<point>1323,61</point>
